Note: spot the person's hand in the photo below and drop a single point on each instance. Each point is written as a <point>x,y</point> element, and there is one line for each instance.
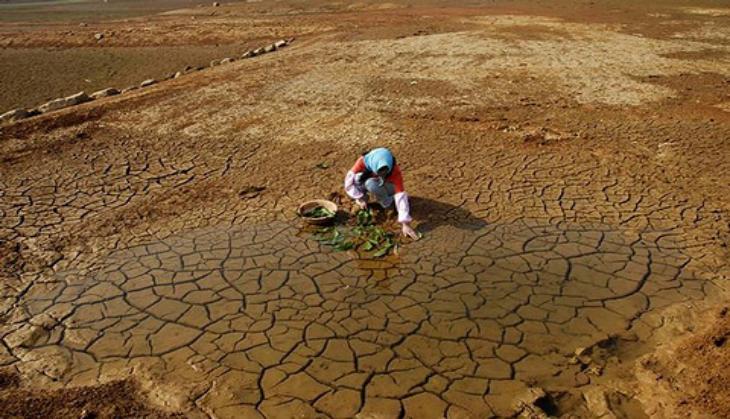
<point>408,231</point>
<point>361,203</point>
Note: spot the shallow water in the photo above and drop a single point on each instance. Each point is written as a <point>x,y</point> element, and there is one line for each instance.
<point>459,320</point>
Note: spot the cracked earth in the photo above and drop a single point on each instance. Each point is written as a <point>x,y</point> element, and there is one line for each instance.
<point>569,173</point>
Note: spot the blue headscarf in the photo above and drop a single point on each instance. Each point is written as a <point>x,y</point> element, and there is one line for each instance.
<point>379,158</point>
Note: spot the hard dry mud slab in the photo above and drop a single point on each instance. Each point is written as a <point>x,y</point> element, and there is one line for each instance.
<point>560,213</point>
<point>455,326</point>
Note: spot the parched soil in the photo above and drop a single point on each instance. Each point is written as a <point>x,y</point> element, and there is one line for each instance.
<point>74,11</point>
<point>111,400</point>
<point>708,381</point>
<point>567,164</point>
<point>40,60</point>
<point>687,375</point>
<point>38,75</point>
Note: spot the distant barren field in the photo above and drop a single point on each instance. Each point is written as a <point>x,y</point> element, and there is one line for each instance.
<point>566,162</point>
<point>53,49</point>
<point>75,11</point>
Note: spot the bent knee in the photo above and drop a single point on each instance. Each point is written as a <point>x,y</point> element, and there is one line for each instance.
<point>373,185</point>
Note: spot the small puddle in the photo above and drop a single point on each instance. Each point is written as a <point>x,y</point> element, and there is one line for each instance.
<point>280,325</point>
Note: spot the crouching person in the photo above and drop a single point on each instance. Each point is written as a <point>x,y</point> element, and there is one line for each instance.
<point>376,174</point>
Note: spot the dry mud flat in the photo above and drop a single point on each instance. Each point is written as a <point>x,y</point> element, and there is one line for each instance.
<point>568,171</point>
<point>85,49</point>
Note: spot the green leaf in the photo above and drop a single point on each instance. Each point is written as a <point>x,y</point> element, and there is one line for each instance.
<point>377,234</point>
<point>364,217</point>
<point>347,245</point>
<point>336,238</point>
<point>319,212</point>
<point>383,251</point>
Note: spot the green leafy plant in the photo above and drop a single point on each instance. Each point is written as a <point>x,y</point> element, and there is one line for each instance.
<point>318,212</point>
<point>364,217</point>
<point>364,236</point>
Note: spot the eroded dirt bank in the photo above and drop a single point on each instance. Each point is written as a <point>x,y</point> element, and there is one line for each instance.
<point>568,165</point>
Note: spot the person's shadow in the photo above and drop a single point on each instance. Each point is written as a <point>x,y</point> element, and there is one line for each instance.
<point>431,214</point>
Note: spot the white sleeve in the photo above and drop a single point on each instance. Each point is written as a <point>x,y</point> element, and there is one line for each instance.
<point>351,188</point>
<point>404,208</point>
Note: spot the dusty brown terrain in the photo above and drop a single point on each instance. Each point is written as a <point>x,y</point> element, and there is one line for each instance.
<point>694,368</point>
<point>567,162</point>
<point>115,399</point>
<point>41,60</point>
<point>75,11</point>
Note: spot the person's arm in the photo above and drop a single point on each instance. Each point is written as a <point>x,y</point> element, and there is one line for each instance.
<point>401,197</point>
<point>402,204</point>
<point>353,189</point>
